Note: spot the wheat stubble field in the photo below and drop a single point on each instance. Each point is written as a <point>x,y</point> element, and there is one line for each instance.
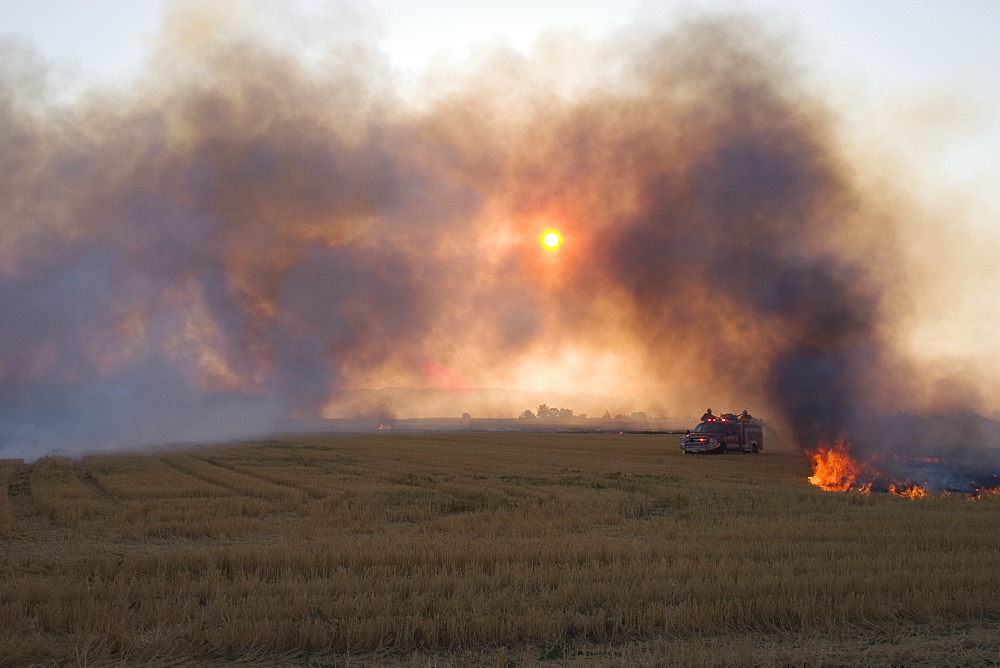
<point>483,549</point>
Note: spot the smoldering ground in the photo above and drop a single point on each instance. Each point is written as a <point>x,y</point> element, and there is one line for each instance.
<point>247,230</point>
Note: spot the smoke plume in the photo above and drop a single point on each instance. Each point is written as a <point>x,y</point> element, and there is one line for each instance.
<point>251,228</point>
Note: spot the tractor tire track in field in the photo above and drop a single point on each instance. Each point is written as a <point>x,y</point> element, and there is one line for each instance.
<point>106,501</point>
<point>236,481</point>
<point>18,491</point>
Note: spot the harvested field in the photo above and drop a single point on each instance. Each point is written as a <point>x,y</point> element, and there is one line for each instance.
<point>484,548</point>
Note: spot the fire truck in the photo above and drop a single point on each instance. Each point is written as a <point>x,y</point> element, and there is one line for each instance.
<point>726,433</point>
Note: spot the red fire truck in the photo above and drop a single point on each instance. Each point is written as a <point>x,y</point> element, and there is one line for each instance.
<point>726,433</point>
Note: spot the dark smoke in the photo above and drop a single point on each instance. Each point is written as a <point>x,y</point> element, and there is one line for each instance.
<point>244,234</point>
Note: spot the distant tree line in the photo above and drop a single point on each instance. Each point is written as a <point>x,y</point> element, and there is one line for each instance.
<point>546,412</point>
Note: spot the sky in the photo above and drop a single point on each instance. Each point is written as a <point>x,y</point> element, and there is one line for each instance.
<point>881,42</point>
<point>895,43</point>
<point>884,51</point>
<point>889,57</point>
<point>227,213</point>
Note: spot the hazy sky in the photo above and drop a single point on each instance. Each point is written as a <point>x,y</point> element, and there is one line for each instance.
<point>241,208</point>
<point>886,52</point>
<point>878,42</point>
<point>920,75</point>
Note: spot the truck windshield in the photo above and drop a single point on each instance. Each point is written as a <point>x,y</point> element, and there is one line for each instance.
<point>707,428</point>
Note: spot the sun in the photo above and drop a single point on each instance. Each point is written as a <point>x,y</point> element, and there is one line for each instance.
<point>551,240</point>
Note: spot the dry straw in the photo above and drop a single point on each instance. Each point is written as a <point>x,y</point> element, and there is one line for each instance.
<point>483,548</point>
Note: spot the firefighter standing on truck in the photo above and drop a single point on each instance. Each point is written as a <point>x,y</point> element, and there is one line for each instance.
<point>708,415</point>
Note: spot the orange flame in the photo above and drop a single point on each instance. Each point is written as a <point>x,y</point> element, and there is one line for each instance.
<point>911,492</point>
<point>835,470</point>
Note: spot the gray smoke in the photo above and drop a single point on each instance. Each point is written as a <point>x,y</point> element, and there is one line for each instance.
<point>244,234</point>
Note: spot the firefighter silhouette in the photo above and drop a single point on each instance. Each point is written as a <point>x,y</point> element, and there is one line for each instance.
<point>708,415</point>
<point>745,417</point>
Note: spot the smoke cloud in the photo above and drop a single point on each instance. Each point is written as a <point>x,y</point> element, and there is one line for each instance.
<point>253,227</point>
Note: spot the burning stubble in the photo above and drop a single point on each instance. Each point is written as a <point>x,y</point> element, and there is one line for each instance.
<point>248,231</point>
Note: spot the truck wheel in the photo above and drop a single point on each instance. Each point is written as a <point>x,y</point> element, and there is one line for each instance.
<point>753,448</point>
<point>722,449</point>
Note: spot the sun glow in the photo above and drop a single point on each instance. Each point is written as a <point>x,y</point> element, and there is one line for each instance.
<point>551,240</point>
